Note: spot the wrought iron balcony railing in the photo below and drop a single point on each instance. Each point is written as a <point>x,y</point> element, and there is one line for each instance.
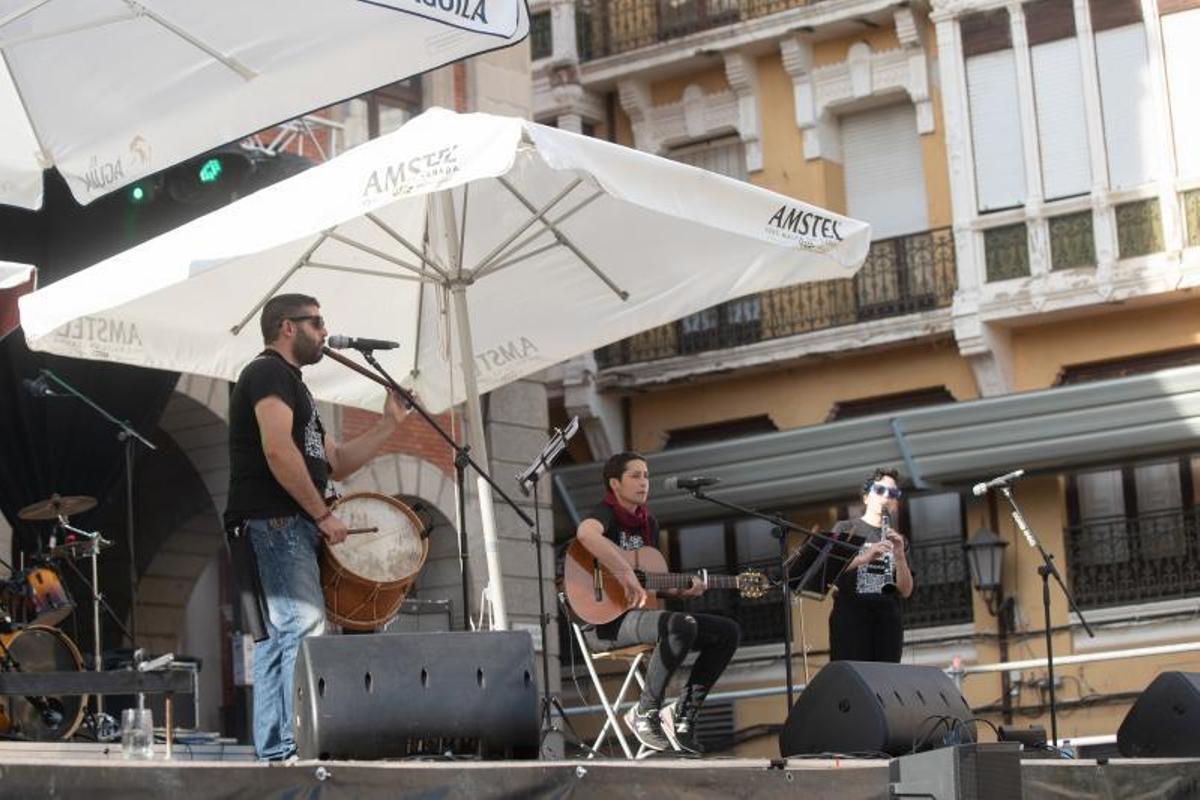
<point>617,26</point>
<point>1118,560</point>
<point>942,593</point>
<point>901,276</point>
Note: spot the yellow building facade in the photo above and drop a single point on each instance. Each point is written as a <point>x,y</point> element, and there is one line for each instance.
<point>1030,266</point>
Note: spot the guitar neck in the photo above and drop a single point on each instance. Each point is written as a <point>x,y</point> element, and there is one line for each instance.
<point>675,580</point>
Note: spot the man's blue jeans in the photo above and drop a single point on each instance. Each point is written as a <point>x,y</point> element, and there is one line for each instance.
<point>286,551</point>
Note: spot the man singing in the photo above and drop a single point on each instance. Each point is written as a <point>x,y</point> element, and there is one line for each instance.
<point>622,522</point>
<point>280,460</point>
<point>865,624</point>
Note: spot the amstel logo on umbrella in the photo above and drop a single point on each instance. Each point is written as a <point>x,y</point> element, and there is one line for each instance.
<point>419,173</point>
<point>795,224</point>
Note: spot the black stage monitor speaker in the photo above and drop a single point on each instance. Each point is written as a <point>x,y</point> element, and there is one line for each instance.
<point>392,695</point>
<point>1165,719</point>
<point>867,707</point>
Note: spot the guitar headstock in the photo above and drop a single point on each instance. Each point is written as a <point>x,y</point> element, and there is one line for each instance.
<point>752,584</point>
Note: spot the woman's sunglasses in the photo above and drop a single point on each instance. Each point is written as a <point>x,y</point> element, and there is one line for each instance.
<point>880,489</point>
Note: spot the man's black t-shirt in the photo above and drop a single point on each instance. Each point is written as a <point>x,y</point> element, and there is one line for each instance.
<point>617,533</point>
<point>253,491</point>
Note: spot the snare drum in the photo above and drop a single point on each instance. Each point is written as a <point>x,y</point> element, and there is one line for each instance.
<point>38,596</point>
<point>366,577</point>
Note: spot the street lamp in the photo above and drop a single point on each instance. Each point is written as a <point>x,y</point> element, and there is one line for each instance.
<point>985,558</point>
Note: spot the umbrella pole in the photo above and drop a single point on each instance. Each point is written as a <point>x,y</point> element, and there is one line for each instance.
<point>495,584</point>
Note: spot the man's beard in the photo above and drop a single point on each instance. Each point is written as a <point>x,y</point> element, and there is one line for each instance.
<point>306,350</point>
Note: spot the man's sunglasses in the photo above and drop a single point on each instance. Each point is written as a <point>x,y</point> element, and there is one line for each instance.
<point>317,320</point>
<point>880,489</point>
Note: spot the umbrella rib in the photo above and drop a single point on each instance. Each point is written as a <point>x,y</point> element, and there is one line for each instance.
<point>499,265</point>
<point>20,12</point>
<point>566,242</point>
<point>230,62</point>
<point>538,214</point>
<point>407,245</point>
<point>363,271</point>
<point>90,25</point>
<point>300,262</point>
<point>366,248</point>
<point>509,256</point>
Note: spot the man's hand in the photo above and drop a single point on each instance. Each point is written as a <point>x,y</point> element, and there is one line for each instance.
<point>897,543</point>
<point>695,590</point>
<point>394,408</point>
<point>333,529</point>
<point>635,594</point>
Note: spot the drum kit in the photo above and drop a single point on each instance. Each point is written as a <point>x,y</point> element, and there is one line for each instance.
<point>34,601</point>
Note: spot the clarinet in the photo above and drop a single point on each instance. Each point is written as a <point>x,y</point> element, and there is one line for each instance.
<point>889,558</point>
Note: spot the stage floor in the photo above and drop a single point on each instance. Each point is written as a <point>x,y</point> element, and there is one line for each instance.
<point>226,771</point>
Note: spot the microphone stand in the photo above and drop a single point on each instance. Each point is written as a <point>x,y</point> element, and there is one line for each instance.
<point>1046,569</point>
<point>529,478</point>
<point>129,438</point>
<point>781,527</point>
<point>462,459</point>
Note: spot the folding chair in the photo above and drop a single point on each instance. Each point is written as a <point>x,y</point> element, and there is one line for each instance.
<point>635,657</point>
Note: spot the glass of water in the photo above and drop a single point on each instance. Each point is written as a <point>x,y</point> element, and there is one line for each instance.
<point>137,733</point>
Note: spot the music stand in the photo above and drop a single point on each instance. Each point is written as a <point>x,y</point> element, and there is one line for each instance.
<point>818,563</point>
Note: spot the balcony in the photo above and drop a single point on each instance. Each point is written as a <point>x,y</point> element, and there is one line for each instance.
<point>942,593</point>
<point>1120,560</point>
<point>901,276</point>
<point>608,27</point>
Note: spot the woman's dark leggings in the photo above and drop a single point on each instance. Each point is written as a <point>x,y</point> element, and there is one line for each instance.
<point>675,633</point>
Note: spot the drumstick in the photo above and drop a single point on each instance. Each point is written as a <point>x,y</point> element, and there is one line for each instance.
<point>362,530</point>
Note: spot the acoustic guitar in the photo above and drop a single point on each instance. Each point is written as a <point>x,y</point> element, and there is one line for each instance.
<point>596,597</point>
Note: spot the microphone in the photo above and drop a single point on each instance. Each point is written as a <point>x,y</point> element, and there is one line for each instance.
<point>38,387</point>
<point>356,343</point>
<point>689,484</point>
<point>980,489</point>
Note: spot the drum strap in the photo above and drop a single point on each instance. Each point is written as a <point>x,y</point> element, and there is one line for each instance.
<point>250,595</point>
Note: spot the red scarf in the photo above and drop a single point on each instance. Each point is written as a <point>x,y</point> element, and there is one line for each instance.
<point>631,521</point>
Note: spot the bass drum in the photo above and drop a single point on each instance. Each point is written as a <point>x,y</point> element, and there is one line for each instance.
<point>42,719</point>
<point>367,576</point>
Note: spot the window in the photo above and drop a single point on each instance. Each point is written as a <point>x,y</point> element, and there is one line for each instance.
<point>719,431</point>
<point>392,106</point>
<point>995,113</point>
<point>1181,32</point>
<point>885,178</point>
<point>1123,367</point>
<point>1132,533</point>
<point>1058,98</point>
<point>1125,96</point>
<point>885,403</point>
<point>541,45</point>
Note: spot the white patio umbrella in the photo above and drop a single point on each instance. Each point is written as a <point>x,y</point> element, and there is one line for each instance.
<point>564,243</point>
<point>109,91</point>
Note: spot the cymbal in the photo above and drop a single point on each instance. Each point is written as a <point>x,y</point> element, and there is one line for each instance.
<point>56,506</point>
<point>80,548</point>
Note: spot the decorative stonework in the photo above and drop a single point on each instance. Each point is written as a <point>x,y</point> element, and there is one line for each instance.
<point>820,91</point>
<point>698,115</point>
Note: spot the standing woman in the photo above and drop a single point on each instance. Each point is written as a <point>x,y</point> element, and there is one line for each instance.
<point>865,624</point>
